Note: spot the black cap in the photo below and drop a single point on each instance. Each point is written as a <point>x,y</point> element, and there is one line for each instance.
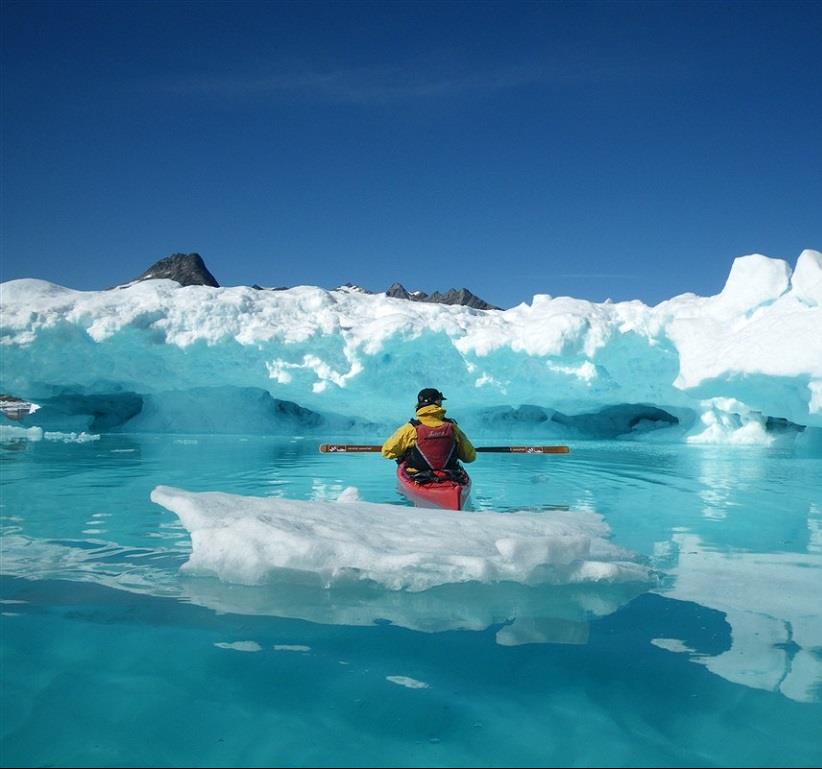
<point>428,396</point>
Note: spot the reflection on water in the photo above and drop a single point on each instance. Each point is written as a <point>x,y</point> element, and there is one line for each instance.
<point>526,614</point>
<point>761,569</point>
<point>772,603</point>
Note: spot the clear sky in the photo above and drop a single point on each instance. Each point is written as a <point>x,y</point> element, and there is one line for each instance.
<point>623,150</point>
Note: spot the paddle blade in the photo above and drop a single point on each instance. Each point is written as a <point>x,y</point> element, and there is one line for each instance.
<point>346,448</point>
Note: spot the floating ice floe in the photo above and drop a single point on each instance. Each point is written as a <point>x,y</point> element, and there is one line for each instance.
<point>246,540</point>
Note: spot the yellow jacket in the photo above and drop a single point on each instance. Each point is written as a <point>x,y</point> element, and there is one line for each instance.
<point>405,437</point>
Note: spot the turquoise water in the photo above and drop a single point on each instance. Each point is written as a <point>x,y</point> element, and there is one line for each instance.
<point>111,657</point>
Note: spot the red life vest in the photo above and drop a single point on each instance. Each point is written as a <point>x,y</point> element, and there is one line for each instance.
<point>436,447</point>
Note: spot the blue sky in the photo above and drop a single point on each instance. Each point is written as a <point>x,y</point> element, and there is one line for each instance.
<point>622,150</point>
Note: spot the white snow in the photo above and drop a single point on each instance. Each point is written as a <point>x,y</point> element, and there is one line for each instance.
<point>13,433</point>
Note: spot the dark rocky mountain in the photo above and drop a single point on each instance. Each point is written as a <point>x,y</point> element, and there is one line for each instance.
<point>190,270</point>
<point>397,290</point>
<point>186,269</point>
<point>460,296</point>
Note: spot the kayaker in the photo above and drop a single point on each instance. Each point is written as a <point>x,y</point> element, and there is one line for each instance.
<point>430,444</point>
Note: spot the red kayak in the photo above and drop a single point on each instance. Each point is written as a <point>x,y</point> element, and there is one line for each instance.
<point>447,493</point>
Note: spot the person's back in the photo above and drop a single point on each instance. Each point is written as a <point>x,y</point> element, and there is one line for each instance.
<point>430,442</point>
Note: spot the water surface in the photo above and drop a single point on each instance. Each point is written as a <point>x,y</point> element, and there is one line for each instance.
<point>111,657</point>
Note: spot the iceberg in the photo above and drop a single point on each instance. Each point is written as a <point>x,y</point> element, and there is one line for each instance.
<point>744,366</point>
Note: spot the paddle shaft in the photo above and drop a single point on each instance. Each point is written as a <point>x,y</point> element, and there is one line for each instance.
<point>523,449</point>
<point>352,448</point>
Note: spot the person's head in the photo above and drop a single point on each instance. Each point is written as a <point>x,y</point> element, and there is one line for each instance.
<point>429,396</point>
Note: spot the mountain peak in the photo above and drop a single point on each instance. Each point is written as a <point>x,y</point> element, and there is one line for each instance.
<point>186,269</point>
<point>460,296</point>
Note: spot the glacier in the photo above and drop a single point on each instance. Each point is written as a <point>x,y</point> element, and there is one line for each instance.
<point>741,367</point>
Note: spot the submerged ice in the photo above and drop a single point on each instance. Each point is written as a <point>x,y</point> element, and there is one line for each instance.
<point>744,366</point>
<point>246,540</point>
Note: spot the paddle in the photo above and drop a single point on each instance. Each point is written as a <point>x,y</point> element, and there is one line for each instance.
<point>353,448</point>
